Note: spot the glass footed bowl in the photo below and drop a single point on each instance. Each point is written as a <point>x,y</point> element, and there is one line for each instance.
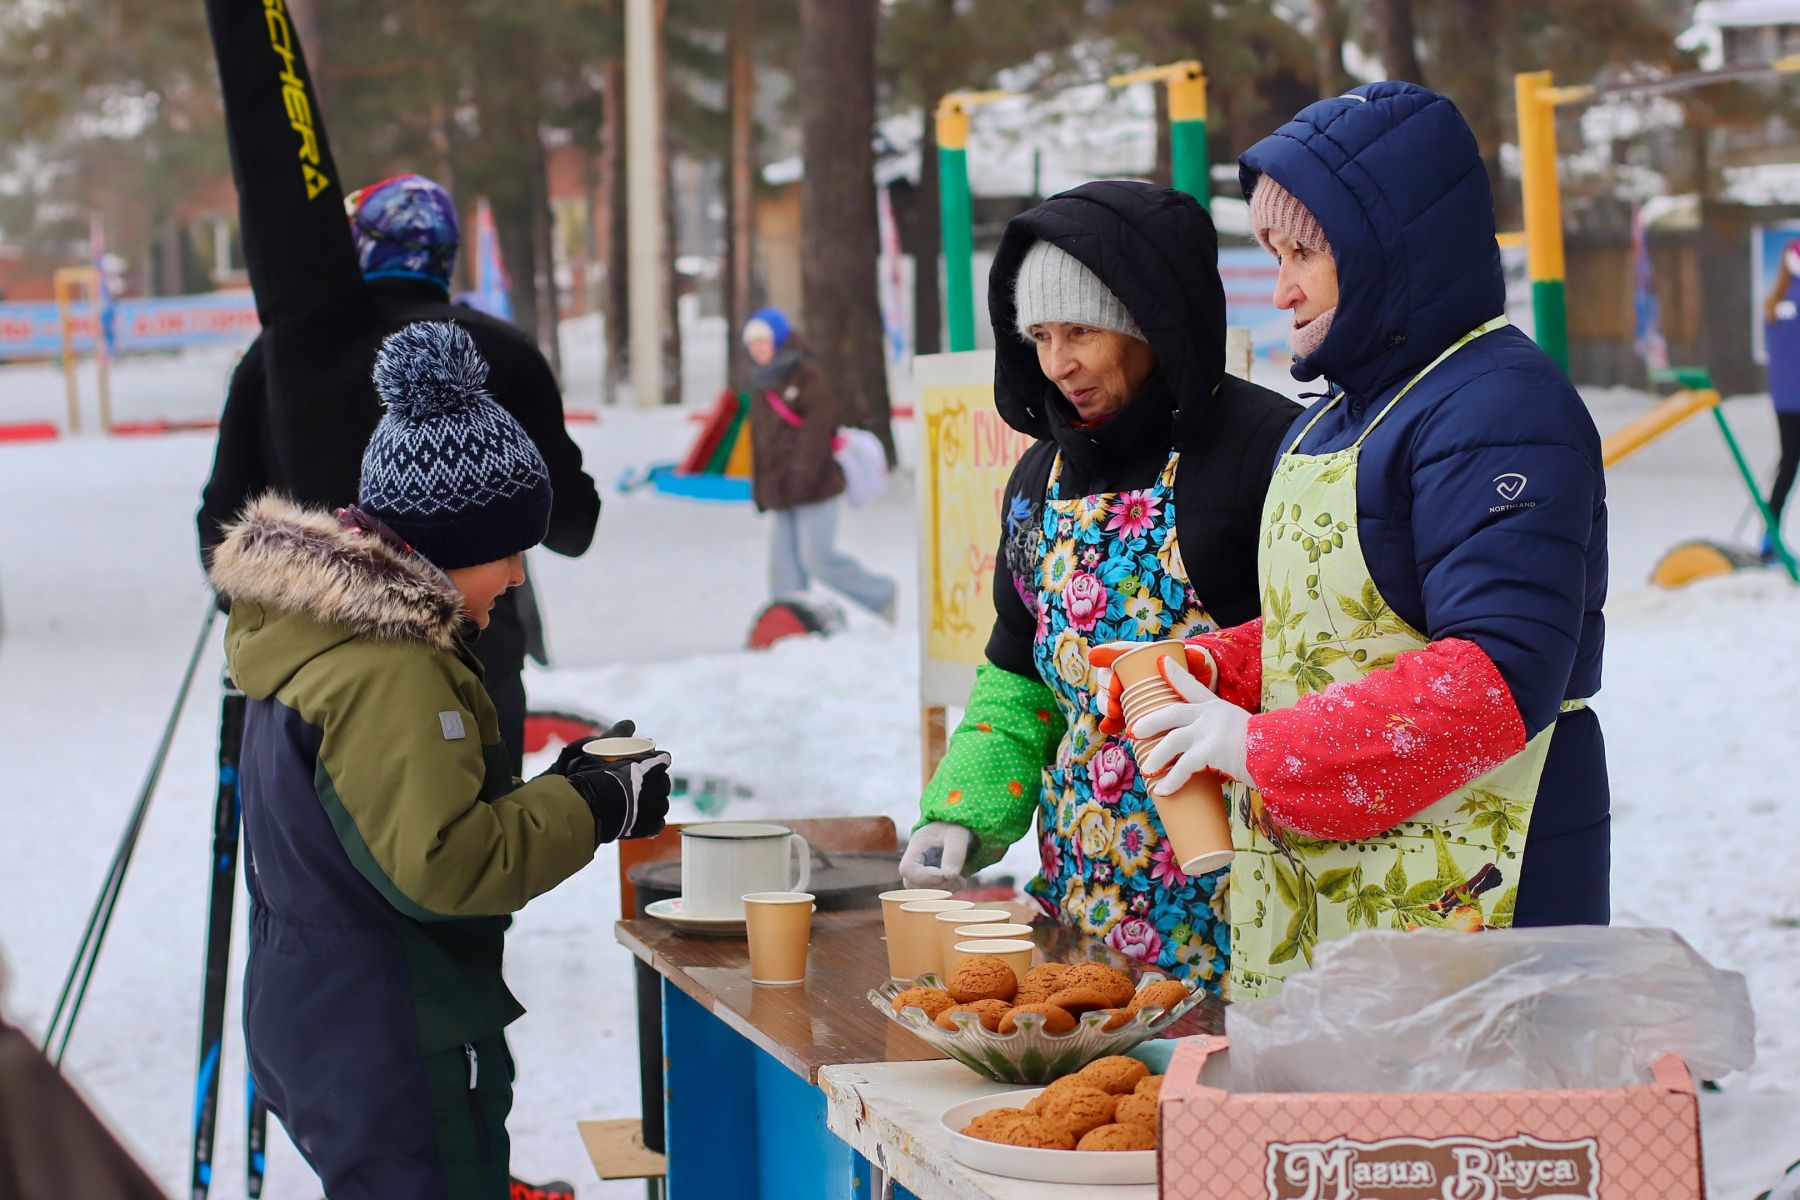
<point>1030,1054</point>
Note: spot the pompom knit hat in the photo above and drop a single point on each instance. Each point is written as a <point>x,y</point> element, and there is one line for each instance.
<point>1054,285</point>
<point>1273,208</point>
<point>448,469</point>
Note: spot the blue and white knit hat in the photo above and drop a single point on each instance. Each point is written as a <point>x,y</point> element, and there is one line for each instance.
<point>448,469</point>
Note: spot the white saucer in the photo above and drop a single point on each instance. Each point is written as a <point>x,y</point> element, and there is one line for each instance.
<point>670,911</point>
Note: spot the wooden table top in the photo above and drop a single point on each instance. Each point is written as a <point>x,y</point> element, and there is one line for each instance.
<point>829,1021</point>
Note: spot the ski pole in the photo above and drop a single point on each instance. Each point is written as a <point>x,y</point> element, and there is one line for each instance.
<point>216,980</point>
<point>87,954</point>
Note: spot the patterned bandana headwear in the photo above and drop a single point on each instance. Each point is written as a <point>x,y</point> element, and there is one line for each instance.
<point>405,228</point>
<point>448,469</point>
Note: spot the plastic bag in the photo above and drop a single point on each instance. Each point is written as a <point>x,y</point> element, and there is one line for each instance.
<point>1437,1010</point>
<point>864,460</point>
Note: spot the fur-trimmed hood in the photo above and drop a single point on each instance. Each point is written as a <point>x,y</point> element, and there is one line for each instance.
<point>289,559</point>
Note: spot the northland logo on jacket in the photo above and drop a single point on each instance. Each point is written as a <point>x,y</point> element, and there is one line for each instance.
<point>1511,486</point>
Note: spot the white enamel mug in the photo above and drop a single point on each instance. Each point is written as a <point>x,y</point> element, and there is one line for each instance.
<point>722,861</point>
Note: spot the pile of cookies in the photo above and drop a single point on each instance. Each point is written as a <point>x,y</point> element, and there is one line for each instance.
<point>1059,993</point>
<point>1110,1104</point>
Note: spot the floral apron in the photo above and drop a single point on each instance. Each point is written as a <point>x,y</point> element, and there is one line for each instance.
<point>1453,864</point>
<point>1109,569</point>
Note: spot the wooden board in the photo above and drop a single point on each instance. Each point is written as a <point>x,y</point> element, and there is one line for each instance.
<point>617,1150</point>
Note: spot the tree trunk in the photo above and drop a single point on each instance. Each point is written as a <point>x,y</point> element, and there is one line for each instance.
<point>168,265</point>
<point>1400,42</point>
<point>927,238</point>
<point>1482,102</point>
<point>839,238</point>
<point>740,234</point>
<point>1328,47</point>
<point>616,298</point>
<point>543,230</point>
<point>926,225</point>
<point>309,26</point>
<point>1163,172</point>
<point>671,342</point>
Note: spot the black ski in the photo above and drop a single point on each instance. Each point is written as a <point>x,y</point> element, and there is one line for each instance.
<point>218,942</point>
<point>256,1140</point>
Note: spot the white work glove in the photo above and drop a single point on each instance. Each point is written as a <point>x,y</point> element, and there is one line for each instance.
<point>935,855</point>
<point>1206,733</point>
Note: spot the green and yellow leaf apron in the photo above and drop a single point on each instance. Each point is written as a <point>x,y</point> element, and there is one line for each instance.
<point>1109,569</point>
<point>1455,863</point>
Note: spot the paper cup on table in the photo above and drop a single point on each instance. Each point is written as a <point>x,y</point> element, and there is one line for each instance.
<point>918,949</point>
<point>890,921</point>
<point>1014,952</point>
<point>779,925</point>
<point>948,921</point>
<point>1195,818</point>
<point>1000,931</point>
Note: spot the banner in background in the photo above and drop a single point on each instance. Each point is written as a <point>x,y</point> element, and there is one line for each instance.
<point>156,323</point>
<point>1767,242</point>
<point>1647,335</point>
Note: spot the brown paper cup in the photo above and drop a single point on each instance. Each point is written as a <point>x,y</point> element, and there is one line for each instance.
<point>890,919</point>
<point>1195,818</point>
<point>1196,822</point>
<point>615,748</point>
<point>779,925</point>
<point>947,923</point>
<point>917,949</point>
<point>1014,952</point>
<point>1136,666</point>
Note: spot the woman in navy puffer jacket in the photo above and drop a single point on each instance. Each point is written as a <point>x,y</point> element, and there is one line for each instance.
<point>1406,720</point>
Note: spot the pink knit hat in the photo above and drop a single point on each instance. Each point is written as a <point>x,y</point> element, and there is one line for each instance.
<point>1273,207</point>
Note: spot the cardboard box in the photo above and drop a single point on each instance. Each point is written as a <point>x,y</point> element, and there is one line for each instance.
<point>1631,1143</point>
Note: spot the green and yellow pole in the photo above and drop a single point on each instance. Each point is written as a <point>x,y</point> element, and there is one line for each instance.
<point>1192,169</point>
<point>956,220</point>
<point>1543,211</point>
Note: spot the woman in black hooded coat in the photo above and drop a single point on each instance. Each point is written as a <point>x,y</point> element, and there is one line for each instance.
<point>1136,525</point>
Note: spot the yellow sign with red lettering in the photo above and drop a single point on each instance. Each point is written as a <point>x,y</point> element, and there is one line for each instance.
<point>966,455</point>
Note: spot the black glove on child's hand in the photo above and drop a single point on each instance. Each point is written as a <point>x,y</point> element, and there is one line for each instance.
<point>629,797</point>
<point>576,750</point>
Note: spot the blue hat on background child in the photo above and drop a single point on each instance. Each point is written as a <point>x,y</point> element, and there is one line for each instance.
<point>769,323</point>
<point>448,469</point>
<point>405,228</point>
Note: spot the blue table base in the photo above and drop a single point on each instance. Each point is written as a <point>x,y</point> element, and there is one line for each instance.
<point>740,1125</point>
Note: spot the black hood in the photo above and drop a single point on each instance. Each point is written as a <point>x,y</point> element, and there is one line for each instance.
<point>1156,249</point>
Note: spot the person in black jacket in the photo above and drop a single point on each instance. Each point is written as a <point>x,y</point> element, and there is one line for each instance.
<point>1133,518</point>
<point>301,405</point>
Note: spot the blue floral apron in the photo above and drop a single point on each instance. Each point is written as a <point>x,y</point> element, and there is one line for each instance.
<point>1109,570</point>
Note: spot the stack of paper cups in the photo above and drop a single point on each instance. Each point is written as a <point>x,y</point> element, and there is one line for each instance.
<point>1195,818</point>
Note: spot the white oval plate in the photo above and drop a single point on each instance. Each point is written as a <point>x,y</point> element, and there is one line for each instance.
<point>1046,1166</point>
<point>670,911</point>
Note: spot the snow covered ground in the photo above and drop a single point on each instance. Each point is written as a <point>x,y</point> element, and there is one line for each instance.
<point>102,597</point>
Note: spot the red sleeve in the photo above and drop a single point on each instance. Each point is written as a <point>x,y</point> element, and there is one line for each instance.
<point>1236,655</point>
<point>1358,758</point>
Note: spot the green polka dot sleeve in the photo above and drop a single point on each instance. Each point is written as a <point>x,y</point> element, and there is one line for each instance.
<point>993,768</point>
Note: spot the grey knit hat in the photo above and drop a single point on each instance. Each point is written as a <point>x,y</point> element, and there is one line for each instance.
<point>1054,285</point>
<point>448,469</point>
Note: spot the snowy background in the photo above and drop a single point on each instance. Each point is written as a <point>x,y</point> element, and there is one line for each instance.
<point>103,595</point>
